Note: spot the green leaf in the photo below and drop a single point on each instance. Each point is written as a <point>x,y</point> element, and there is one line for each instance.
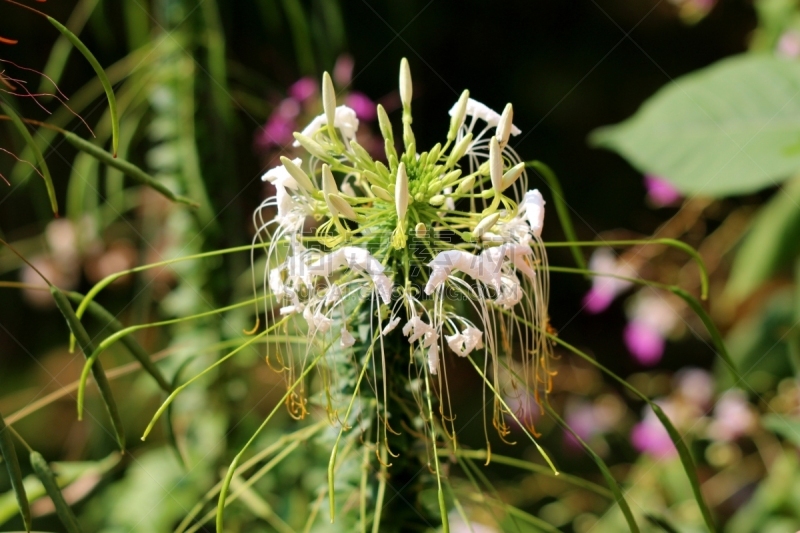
<point>788,428</point>
<point>14,472</point>
<point>23,130</point>
<point>48,480</point>
<point>770,244</point>
<point>101,74</point>
<point>731,128</point>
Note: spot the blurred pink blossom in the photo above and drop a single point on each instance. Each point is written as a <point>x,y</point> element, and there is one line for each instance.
<point>343,70</point>
<point>649,436</point>
<point>733,416</point>
<point>659,191</point>
<point>360,103</point>
<point>605,289</point>
<point>696,386</point>
<point>280,126</point>
<point>652,318</point>
<point>303,89</point>
<point>789,45</point>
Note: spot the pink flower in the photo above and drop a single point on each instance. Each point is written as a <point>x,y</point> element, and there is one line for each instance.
<point>659,191</point>
<point>649,436</point>
<point>733,416</point>
<point>343,70</point>
<point>303,89</point>
<point>604,288</point>
<point>364,107</point>
<point>644,342</point>
<point>789,45</point>
<point>652,318</point>
<point>280,126</point>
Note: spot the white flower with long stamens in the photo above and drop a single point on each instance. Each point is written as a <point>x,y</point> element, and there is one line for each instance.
<point>346,288</point>
<point>345,120</point>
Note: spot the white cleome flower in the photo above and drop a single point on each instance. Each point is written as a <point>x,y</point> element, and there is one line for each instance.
<point>477,110</point>
<point>345,121</point>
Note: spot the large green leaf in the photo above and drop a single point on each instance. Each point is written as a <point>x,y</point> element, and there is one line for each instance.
<point>731,128</point>
<point>770,245</point>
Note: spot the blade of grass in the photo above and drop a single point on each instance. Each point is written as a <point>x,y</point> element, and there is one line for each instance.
<point>59,53</point>
<point>31,144</point>
<point>683,452</point>
<point>482,455</point>
<point>562,209</point>
<point>223,493</point>
<point>301,35</point>
<point>48,479</point>
<point>109,90</point>
<point>107,319</point>
<point>129,169</point>
<point>124,333</point>
<point>649,242</point>
<point>14,472</point>
<point>616,490</point>
<point>691,301</point>
<point>85,342</point>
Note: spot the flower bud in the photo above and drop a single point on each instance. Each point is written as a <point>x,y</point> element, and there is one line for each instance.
<point>328,183</point>
<point>299,176</point>
<point>329,102</point>
<point>503,129</point>
<point>513,173</point>
<point>466,185</point>
<point>382,193</point>
<point>361,154</point>
<point>459,150</point>
<point>341,206</point>
<point>401,191</point>
<point>311,146</point>
<point>420,230</point>
<point>385,125</point>
<point>457,118</point>
<point>406,89</point>
<point>485,225</point>
<point>496,166</point>
<point>437,200</point>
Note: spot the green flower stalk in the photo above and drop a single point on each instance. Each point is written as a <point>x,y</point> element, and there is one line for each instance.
<point>427,253</point>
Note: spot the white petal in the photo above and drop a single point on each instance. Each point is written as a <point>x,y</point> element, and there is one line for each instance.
<point>390,326</point>
<point>347,339</point>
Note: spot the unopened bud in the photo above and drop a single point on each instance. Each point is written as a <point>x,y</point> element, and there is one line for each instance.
<point>420,230</point>
<point>466,185</point>
<point>328,183</point>
<point>299,176</point>
<point>503,129</point>
<point>329,102</point>
<point>459,150</point>
<point>385,125</point>
<point>496,166</point>
<point>382,193</point>
<point>406,89</point>
<point>485,225</point>
<point>512,174</point>
<point>458,115</point>
<point>311,146</point>
<point>401,190</point>
<point>340,204</point>
<point>437,200</point>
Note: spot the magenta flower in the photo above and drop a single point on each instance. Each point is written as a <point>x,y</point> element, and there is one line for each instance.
<point>733,416</point>
<point>789,45</point>
<point>605,289</point>
<point>360,103</point>
<point>280,125</point>
<point>659,191</point>
<point>652,318</point>
<point>303,89</point>
<point>644,342</point>
<point>650,437</point>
